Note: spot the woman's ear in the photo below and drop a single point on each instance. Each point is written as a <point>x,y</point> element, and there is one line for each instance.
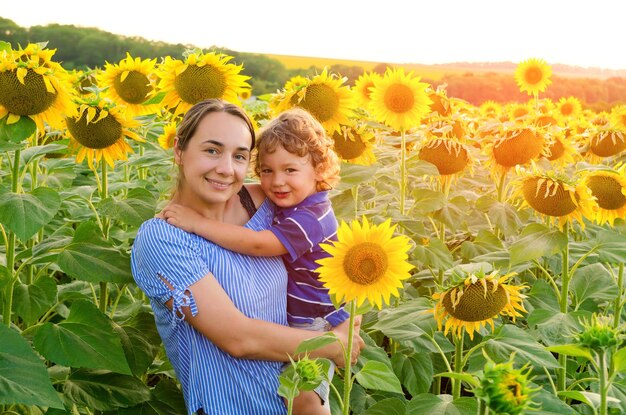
<point>178,153</point>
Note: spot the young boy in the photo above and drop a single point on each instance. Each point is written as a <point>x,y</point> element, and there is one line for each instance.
<point>297,167</point>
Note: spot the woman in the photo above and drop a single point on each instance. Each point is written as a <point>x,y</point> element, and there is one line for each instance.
<point>221,315</point>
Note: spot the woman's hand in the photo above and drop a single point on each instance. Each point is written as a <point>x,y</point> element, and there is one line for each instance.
<point>341,331</point>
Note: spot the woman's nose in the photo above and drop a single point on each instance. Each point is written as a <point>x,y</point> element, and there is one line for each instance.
<point>225,166</point>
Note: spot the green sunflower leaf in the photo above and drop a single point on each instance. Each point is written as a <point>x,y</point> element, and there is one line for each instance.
<point>23,376</point>
<point>17,132</point>
<point>32,301</point>
<point>25,214</point>
<point>429,404</point>
<point>537,241</point>
<point>85,339</point>
<point>378,376</point>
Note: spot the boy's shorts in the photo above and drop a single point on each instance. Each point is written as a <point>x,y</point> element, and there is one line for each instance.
<point>323,390</point>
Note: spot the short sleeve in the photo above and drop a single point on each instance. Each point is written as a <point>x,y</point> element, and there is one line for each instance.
<point>299,232</point>
<point>162,252</point>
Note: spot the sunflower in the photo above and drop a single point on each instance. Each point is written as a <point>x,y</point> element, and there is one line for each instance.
<point>166,140</point>
<point>556,197</point>
<point>560,149</point>
<point>609,189</point>
<point>606,141</point>
<point>518,112</point>
<point>440,103</point>
<point>569,107</point>
<point>324,96</point>
<point>618,116</point>
<point>490,109</point>
<point>515,146</point>
<point>450,156</point>
<point>32,85</point>
<point>353,143</point>
<point>399,100</point>
<point>362,88</point>
<point>98,132</point>
<point>200,76</point>
<point>504,389</point>
<point>533,76</point>
<point>130,82</point>
<point>476,301</point>
<point>366,262</point>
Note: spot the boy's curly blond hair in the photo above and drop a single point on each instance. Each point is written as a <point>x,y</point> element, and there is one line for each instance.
<point>298,132</point>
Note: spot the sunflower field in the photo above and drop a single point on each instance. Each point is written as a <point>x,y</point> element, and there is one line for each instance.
<point>483,246</point>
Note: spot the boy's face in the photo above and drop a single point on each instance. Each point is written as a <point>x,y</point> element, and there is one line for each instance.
<point>286,178</point>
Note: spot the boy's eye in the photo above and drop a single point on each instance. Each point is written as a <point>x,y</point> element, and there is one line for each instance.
<point>265,171</point>
<point>291,170</point>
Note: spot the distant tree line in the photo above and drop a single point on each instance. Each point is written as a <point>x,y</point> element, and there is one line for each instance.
<point>85,47</point>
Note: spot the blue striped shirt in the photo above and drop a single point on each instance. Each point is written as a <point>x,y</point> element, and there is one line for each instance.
<point>301,229</point>
<point>211,378</point>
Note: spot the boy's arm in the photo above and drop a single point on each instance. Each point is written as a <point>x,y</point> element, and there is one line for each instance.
<point>239,239</point>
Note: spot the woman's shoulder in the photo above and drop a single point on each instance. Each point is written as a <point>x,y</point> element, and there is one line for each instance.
<point>257,194</point>
<point>157,233</point>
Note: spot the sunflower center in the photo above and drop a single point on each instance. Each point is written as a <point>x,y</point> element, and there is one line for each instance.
<point>533,75</point>
<point>348,149</point>
<point>608,143</point>
<point>608,191</point>
<point>98,135</point>
<point>399,98</point>
<point>552,202</point>
<point>448,156</point>
<point>475,304</point>
<point>321,101</point>
<point>200,82</point>
<point>518,149</point>
<point>365,263</point>
<point>29,98</point>
<point>134,88</point>
<point>567,109</point>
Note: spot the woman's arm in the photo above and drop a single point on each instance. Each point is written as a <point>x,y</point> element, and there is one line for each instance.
<point>233,237</point>
<point>222,323</point>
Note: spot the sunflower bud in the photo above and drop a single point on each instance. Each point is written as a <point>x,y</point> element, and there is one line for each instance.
<point>504,389</point>
<point>598,333</point>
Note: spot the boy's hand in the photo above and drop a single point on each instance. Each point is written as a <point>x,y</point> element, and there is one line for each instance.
<point>357,342</point>
<point>180,216</point>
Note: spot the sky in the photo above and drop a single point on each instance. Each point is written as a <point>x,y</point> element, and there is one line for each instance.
<point>573,32</point>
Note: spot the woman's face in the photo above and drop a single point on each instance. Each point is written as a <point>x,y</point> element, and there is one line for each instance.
<point>215,161</point>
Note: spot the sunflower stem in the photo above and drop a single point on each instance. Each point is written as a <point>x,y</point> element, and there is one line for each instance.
<point>501,187</point>
<point>402,170</point>
<point>617,304</point>
<point>10,246</point>
<point>603,375</point>
<point>458,365</point>
<point>347,379</point>
<point>565,280</point>
<point>104,193</point>
<point>355,194</point>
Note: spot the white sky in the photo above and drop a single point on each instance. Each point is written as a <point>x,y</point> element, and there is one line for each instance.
<point>575,32</point>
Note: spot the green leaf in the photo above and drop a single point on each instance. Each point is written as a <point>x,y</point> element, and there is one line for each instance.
<point>140,341</point>
<point>354,174</point>
<point>4,46</point>
<point>549,404</point>
<point>484,243</point>
<point>612,247</point>
<point>435,254</point>
<point>18,131</point>
<point>389,406</point>
<point>156,99</point>
<point>505,217</point>
<point>415,372</point>
<point>509,339</point>
<point>316,342</point>
<point>556,327</point>
<point>95,263</point>
<point>138,206</point>
<point>593,282</point>
<point>85,339</point>
<point>5,277</point>
<point>453,212</point>
<point>23,376</point>
<point>104,390</point>
<point>571,350</point>
<point>429,404</point>
<point>165,399</point>
<point>464,377</point>
<point>619,360</point>
<point>35,152</point>
<point>378,376</point>
<point>427,201</point>
<point>32,301</point>
<point>537,241</point>
<point>25,214</point>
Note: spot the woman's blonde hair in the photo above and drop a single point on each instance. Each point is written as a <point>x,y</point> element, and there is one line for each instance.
<point>299,133</point>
